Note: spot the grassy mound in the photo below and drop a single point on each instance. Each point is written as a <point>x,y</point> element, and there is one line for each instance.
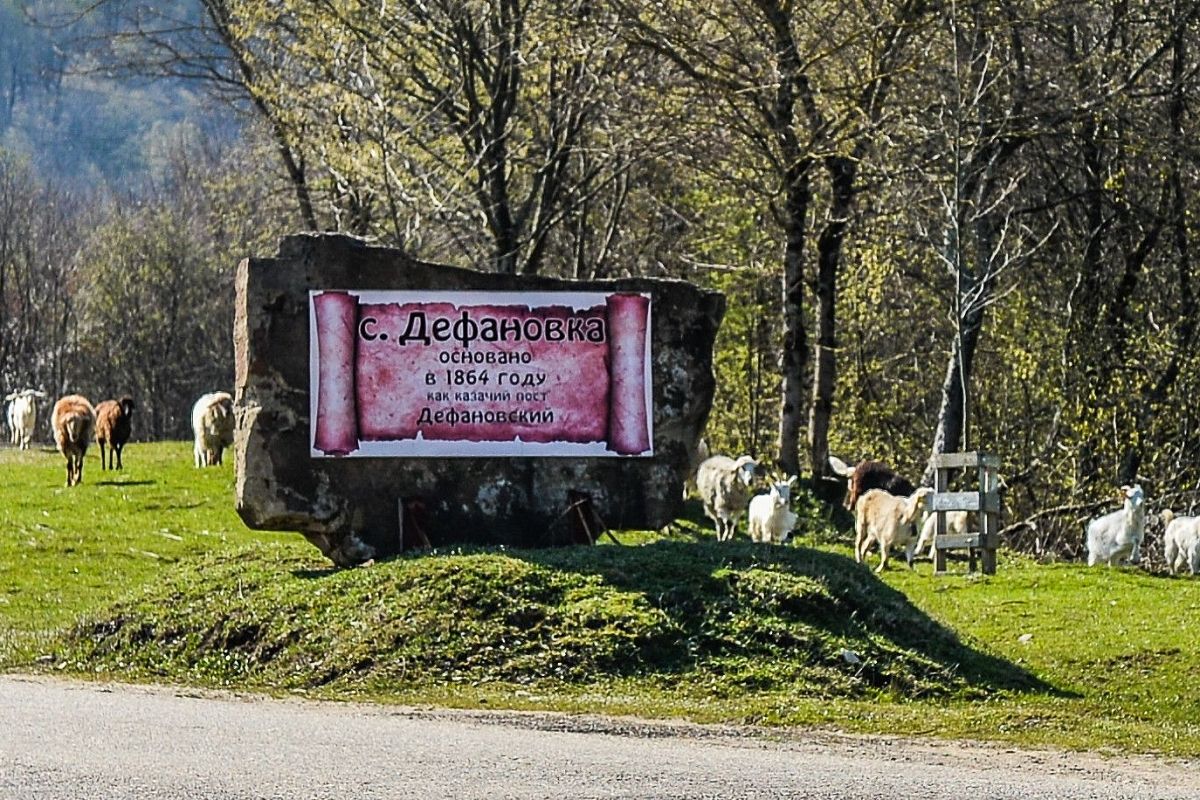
<point>723,619</point>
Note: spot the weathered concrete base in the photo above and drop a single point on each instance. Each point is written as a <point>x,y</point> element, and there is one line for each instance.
<point>349,507</point>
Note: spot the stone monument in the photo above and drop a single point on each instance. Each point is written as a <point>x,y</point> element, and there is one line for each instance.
<point>385,403</point>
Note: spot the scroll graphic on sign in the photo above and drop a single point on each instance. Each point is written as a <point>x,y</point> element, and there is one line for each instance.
<point>405,373</point>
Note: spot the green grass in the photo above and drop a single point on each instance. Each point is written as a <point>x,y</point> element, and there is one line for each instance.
<point>66,552</point>
<point>148,574</point>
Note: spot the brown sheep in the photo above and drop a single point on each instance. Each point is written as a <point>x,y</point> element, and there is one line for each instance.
<point>114,420</point>
<point>74,420</point>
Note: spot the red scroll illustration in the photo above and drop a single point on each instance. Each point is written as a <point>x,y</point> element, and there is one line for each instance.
<point>480,374</point>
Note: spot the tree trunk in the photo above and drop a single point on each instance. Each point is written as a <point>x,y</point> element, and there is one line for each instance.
<point>1178,215</point>
<point>792,359</point>
<point>842,173</point>
<point>952,415</point>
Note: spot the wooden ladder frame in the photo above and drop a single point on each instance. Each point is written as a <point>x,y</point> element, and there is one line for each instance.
<point>985,503</point>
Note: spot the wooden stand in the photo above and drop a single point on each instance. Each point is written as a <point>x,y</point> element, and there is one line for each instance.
<point>985,504</point>
<point>413,520</point>
<point>586,524</point>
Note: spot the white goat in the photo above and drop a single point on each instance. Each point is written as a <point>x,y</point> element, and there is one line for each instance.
<point>956,524</point>
<point>1119,535</point>
<point>212,425</point>
<point>769,519</point>
<point>887,519</point>
<point>724,487</point>
<point>1181,542</point>
<point>22,416</point>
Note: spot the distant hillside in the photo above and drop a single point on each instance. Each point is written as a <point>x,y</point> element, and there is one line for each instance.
<point>72,123</point>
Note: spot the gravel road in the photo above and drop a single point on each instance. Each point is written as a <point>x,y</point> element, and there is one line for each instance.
<point>76,740</point>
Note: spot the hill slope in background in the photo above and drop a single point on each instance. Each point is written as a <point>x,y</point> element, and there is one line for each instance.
<point>77,127</point>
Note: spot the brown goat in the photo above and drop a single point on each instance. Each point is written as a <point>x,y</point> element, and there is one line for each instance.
<point>868,475</point>
<point>114,422</point>
<point>73,420</point>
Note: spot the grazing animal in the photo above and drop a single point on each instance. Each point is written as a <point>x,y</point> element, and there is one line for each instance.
<point>73,420</point>
<point>887,519</point>
<point>956,524</point>
<point>114,423</point>
<point>1181,542</point>
<point>22,416</point>
<point>867,475</point>
<point>769,519</point>
<point>724,487</point>
<point>212,425</point>
<point>1119,535</point>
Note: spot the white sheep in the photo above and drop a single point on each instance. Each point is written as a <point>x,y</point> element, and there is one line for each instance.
<point>769,519</point>
<point>724,487</point>
<point>887,519</point>
<point>22,416</point>
<point>212,426</point>
<point>1181,542</point>
<point>956,524</point>
<point>1119,535</point>
<point>74,421</point>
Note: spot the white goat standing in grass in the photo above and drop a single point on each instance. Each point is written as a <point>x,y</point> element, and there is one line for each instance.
<point>724,487</point>
<point>1181,542</point>
<point>22,416</point>
<point>956,524</point>
<point>769,519</point>
<point>1119,535</point>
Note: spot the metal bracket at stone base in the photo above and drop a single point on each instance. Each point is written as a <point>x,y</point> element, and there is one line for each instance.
<point>348,507</point>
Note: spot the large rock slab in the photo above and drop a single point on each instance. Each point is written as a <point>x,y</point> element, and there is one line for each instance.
<point>349,507</point>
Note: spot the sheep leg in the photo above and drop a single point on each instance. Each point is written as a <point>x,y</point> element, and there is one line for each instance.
<point>119,448</point>
<point>883,557</point>
<point>102,466</point>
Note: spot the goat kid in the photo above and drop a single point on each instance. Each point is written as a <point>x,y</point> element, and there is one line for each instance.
<point>1118,535</point>
<point>1181,542</point>
<point>956,524</point>
<point>769,519</point>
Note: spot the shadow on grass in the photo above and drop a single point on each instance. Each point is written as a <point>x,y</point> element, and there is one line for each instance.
<point>125,483</point>
<point>781,598</point>
<point>313,574</point>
